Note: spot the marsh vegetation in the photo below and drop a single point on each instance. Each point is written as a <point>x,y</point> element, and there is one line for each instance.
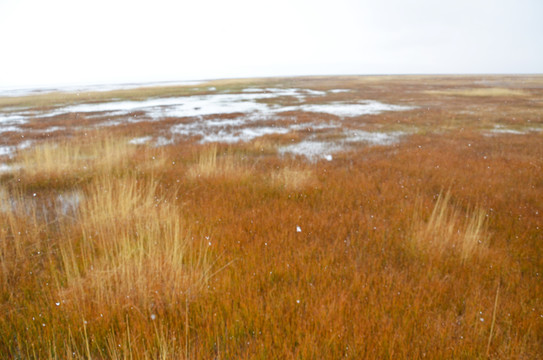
<point>427,244</point>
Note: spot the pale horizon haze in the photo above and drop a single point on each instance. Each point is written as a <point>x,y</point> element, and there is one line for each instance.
<point>60,42</point>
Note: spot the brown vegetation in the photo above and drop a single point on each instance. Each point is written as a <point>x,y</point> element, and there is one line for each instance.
<point>426,248</point>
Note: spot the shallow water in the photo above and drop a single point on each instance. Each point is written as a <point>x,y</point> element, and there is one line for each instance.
<point>10,129</point>
<point>373,138</point>
<point>141,140</point>
<point>5,168</point>
<point>11,92</point>
<point>67,203</point>
<point>227,130</point>
<point>499,129</point>
<point>314,149</point>
<point>10,122</point>
<point>205,105</point>
<point>348,109</point>
<point>202,114</point>
<point>7,150</point>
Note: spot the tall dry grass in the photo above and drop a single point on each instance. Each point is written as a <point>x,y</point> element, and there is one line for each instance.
<point>79,157</point>
<point>448,232</point>
<point>133,245</point>
<point>126,259</point>
<point>213,163</point>
<point>292,178</point>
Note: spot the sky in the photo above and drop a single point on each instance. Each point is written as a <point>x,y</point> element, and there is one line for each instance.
<point>74,42</point>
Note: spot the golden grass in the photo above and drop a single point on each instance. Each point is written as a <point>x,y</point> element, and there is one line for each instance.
<point>292,178</point>
<point>212,164</point>
<point>126,248</point>
<point>78,157</point>
<point>133,245</point>
<point>448,233</point>
<point>263,146</point>
<point>480,92</point>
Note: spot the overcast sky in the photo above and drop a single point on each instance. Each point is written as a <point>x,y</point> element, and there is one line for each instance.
<point>57,42</point>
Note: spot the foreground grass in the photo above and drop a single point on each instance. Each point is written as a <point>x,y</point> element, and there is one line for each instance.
<point>124,257</point>
<point>446,234</point>
<point>173,263</point>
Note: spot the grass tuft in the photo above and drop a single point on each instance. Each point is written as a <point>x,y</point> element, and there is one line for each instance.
<point>292,178</point>
<point>447,232</point>
<point>212,164</point>
<point>133,247</point>
<point>77,158</point>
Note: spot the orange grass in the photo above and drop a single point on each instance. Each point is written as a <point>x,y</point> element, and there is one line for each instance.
<point>178,256</point>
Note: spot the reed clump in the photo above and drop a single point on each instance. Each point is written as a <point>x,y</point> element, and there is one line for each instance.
<point>74,159</point>
<point>132,246</point>
<point>448,232</point>
<point>291,178</point>
<point>212,164</point>
<point>121,257</point>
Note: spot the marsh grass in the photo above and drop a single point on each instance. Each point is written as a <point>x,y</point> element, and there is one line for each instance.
<point>138,270</point>
<point>19,231</point>
<point>447,232</point>
<point>132,245</point>
<point>78,158</point>
<point>263,146</point>
<point>292,178</point>
<point>382,266</point>
<point>124,252</point>
<point>213,163</point>
<point>481,92</point>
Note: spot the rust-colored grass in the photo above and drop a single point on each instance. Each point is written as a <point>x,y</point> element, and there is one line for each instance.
<point>428,248</point>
